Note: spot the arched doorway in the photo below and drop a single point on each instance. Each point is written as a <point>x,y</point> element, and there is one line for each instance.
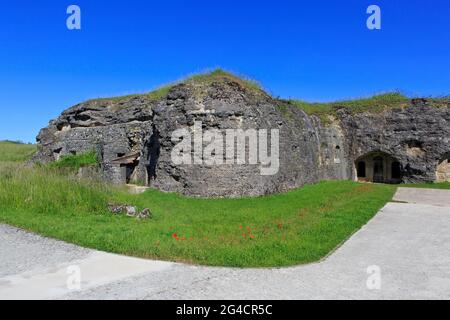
<point>378,170</point>
<point>378,167</point>
<point>443,169</point>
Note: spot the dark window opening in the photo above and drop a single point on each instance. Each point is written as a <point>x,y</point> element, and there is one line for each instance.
<point>338,148</point>
<point>361,169</point>
<point>396,170</point>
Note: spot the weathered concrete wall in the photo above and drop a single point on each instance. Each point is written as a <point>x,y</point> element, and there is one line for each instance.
<point>417,136</point>
<point>225,106</point>
<point>334,163</point>
<point>310,151</point>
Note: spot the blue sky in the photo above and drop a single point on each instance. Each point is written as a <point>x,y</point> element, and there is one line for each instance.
<point>314,50</point>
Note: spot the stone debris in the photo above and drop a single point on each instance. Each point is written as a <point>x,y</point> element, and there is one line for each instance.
<point>130,211</point>
<point>115,209</point>
<point>144,214</point>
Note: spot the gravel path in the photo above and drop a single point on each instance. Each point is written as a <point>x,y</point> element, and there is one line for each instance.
<point>21,251</point>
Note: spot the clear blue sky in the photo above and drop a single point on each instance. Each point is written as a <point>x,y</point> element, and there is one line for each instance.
<point>315,50</point>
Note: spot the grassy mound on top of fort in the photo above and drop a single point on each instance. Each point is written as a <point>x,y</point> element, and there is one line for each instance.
<point>204,78</point>
<point>374,104</point>
<point>296,227</point>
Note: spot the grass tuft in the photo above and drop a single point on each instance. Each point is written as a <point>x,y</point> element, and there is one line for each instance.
<point>219,74</point>
<point>76,161</point>
<point>202,78</point>
<point>375,104</point>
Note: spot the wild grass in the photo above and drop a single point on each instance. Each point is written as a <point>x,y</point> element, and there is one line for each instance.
<point>375,104</point>
<point>286,229</point>
<point>48,192</point>
<point>201,78</point>
<point>76,161</point>
<point>296,227</point>
<point>15,151</point>
<point>218,74</point>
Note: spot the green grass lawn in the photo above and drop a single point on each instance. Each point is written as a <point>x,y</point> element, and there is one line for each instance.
<point>285,229</point>
<point>296,227</point>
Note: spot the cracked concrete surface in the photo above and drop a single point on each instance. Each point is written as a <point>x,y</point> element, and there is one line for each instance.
<point>408,242</point>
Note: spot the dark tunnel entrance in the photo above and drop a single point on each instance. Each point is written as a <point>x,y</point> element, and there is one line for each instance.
<point>379,167</point>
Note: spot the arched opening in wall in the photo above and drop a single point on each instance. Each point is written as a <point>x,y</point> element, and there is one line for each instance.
<point>337,155</point>
<point>379,167</point>
<point>443,169</point>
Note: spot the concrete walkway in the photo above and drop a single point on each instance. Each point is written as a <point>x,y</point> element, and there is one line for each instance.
<point>432,197</point>
<point>402,253</point>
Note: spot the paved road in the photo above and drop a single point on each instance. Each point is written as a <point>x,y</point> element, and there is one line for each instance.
<point>406,246</point>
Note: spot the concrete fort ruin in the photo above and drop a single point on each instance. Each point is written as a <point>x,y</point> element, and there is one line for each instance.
<point>407,141</point>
